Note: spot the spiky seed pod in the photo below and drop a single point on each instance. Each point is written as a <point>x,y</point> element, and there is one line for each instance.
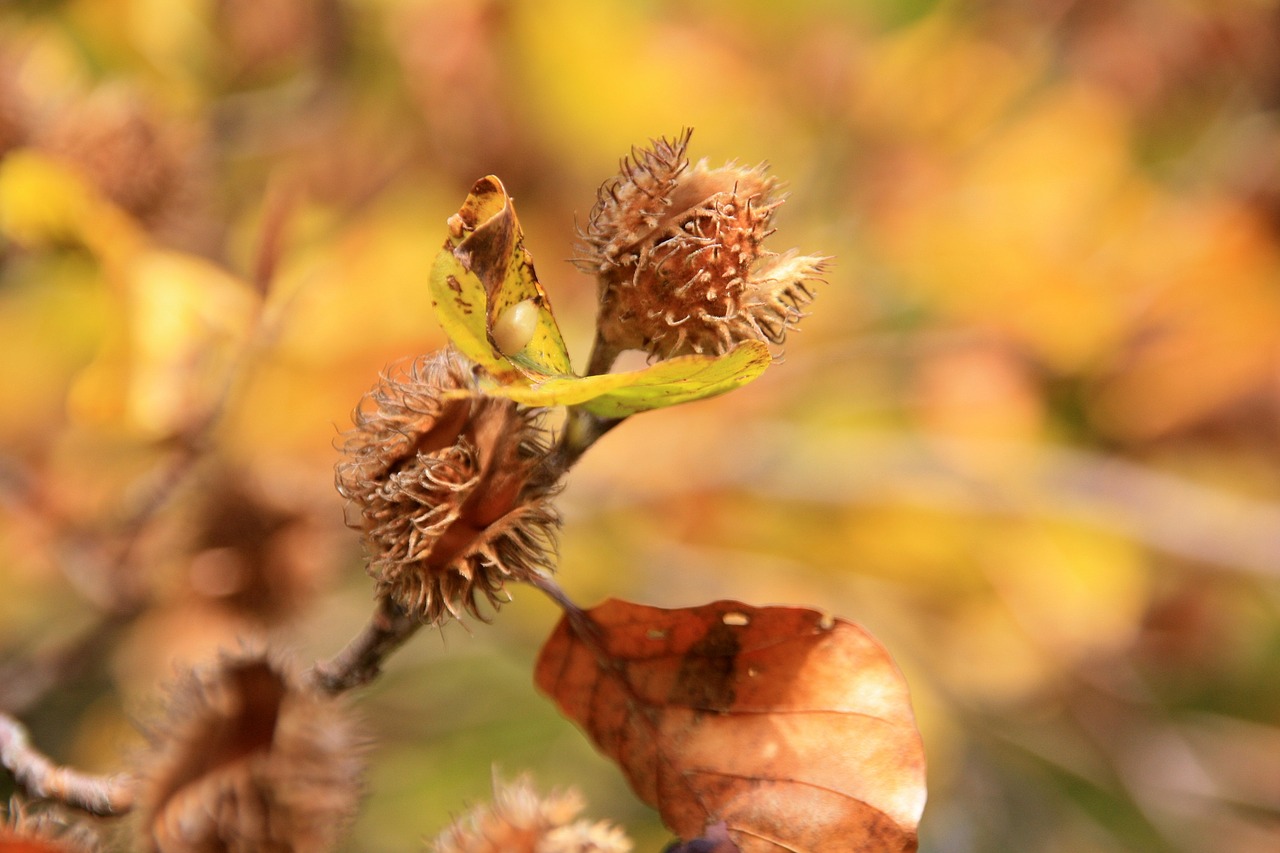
<point>249,760</point>
<point>23,831</point>
<point>678,252</point>
<point>452,487</point>
<point>121,148</point>
<point>520,821</point>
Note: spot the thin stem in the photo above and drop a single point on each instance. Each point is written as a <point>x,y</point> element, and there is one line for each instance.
<point>39,777</point>
<point>552,590</point>
<point>581,430</point>
<point>361,661</point>
<point>581,623</point>
<point>603,355</point>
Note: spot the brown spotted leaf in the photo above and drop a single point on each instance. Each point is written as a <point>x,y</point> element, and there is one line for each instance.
<point>794,729</point>
<point>486,293</point>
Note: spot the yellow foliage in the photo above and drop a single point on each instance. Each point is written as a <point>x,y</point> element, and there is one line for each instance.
<point>43,202</point>
<point>1075,594</point>
<point>186,321</point>
<point>1030,430</point>
<point>941,83</point>
<point>1018,236</point>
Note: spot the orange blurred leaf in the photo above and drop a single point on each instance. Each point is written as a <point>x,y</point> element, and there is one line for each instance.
<point>11,844</point>
<point>794,729</point>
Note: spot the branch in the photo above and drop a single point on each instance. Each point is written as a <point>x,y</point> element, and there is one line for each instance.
<point>581,430</point>
<point>360,662</point>
<point>100,573</point>
<point>41,778</point>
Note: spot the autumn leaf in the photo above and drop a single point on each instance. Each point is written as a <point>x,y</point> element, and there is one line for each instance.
<point>486,293</point>
<point>676,380</point>
<point>792,728</point>
<point>43,202</point>
<point>185,322</point>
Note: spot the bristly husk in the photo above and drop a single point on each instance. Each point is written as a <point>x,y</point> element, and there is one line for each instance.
<point>453,489</point>
<point>519,820</point>
<point>678,251</point>
<point>26,830</point>
<point>248,760</point>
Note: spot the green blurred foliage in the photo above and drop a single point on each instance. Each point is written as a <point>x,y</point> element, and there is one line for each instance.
<point>1028,435</point>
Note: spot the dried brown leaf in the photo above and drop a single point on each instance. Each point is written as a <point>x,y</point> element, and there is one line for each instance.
<point>793,728</point>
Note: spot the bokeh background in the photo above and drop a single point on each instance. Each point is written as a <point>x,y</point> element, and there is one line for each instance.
<point>1028,436</point>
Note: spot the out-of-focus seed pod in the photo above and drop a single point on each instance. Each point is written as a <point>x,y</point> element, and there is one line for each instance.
<point>520,821</point>
<point>258,550</point>
<point>248,760</point>
<point>24,831</point>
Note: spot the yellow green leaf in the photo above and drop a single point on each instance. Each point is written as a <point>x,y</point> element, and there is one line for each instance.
<point>683,380</point>
<point>458,297</point>
<point>42,201</point>
<point>487,295</point>
<point>668,383</point>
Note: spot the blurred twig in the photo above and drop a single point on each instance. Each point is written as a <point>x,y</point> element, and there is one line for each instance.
<point>40,777</point>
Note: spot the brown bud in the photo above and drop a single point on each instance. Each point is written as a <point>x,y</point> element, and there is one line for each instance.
<point>453,492</point>
<point>679,254</point>
<point>520,821</point>
<point>248,761</point>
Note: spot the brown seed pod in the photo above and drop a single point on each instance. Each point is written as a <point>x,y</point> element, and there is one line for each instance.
<point>258,548</point>
<point>119,145</point>
<point>248,760</point>
<point>679,255</point>
<point>520,821</point>
<point>452,488</point>
<point>24,831</point>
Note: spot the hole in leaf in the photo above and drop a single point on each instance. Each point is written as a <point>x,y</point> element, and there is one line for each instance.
<point>735,618</point>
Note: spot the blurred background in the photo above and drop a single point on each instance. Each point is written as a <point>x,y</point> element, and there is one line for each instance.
<point>1028,437</point>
